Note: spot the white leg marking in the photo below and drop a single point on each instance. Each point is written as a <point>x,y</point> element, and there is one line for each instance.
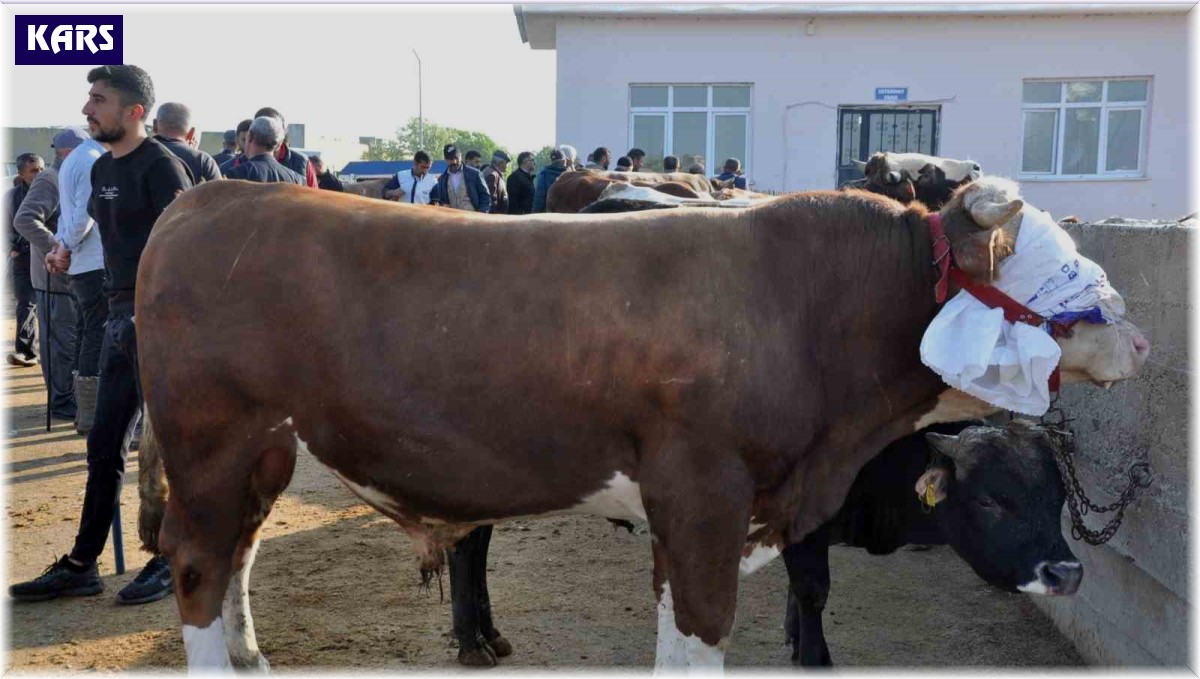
<point>1035,587</point>
<point>206,648</point>
<point>761,556</point>
<point>240,639</point>
<point>705,659</point>
<point>620,499</point>
<point>671,653</point>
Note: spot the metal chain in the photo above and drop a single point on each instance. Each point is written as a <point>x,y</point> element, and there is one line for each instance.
<point>1078,503</point>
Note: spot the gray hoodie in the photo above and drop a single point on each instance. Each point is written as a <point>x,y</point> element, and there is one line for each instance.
<point>37,221</point>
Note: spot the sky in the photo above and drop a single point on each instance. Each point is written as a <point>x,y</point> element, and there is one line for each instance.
<point>342,71</point>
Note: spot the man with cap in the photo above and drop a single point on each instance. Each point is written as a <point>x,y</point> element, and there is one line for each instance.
<point>461,186</point>
<point>173,129</point>
<point>325,179</point>
<point>231,148</point>
<point>547,177</point>
<point>37,222</point>
<point>29,166</point>
<point>265,136</point>
<point>493,177</point>
<point>77,235</point>
<point>624,164</point>
<point>520,185</point>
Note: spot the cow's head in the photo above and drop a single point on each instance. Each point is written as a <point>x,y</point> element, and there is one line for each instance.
<point>998,498</point>
<point>981,222</point>
<point>887,178</point>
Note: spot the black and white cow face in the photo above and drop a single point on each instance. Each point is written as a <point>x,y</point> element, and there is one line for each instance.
<point>999,498</point>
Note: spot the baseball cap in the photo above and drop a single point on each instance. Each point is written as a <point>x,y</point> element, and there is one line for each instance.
<point>230,136</point>
<point>501,156</point>
<point>69,138</point>
<point>555,154</point>
<point>449,151</point>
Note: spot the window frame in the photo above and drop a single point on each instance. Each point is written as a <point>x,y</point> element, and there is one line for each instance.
<point>1060,109</point>
<point>668,111</point>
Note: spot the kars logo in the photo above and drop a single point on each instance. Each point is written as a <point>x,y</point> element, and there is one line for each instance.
<point>68,40</point>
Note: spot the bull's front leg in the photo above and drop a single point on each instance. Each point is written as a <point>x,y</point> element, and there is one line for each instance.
<point>808,572</point>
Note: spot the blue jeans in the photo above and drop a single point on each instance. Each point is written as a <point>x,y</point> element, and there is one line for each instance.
<point>91,308</point>
<point>117,400</point>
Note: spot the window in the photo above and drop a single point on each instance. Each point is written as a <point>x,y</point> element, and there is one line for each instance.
<point>698,123</point>
<point>1084,128</point>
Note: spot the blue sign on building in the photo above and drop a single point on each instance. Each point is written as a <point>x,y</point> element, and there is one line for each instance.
<point>891,94</point>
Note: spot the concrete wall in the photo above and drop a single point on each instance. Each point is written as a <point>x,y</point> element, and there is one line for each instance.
<point>973,66</point>
<point>1132,609</point>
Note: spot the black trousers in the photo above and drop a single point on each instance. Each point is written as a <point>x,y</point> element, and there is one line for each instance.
<point>117,402</point>
<point>22,286</point>
<point>56,319</point>
<point>91,308</point>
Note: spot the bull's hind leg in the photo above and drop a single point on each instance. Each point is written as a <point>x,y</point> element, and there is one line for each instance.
<point>465,595</point>
<point>698,505</point>
<point>483,600</point>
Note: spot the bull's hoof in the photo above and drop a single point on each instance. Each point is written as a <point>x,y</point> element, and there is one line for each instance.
<point>501,646</point>
<point>251,664</point>
<point>480,656</point>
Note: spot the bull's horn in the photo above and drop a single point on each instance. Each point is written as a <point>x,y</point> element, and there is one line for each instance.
<point>944,444</point>
<point>989,215</point>
<point>862,166</point>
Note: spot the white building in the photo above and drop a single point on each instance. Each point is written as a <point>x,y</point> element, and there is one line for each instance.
<point>1085,105</point>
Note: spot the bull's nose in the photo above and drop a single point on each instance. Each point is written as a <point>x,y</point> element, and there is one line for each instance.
<point>1061,577</point>
<point>1142,346</point>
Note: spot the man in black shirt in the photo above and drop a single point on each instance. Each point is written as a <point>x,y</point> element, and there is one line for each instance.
<point>131,185</point>
<point>520,185</point>
<point>325,179</point>
<point>260,166</point>
<point>243,129</point>
<point>230,148</point>
<point>173,129</point>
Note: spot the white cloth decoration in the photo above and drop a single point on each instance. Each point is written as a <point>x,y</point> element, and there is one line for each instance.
<point>1008,365</point>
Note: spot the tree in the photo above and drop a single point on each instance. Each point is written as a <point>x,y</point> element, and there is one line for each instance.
<point>408,142</point>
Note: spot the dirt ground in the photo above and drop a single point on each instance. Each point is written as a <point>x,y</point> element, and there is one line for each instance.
<point>335,586</point>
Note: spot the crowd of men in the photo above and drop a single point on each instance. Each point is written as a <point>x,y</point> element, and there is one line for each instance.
<point>467,185</point>
<point>77,232</point>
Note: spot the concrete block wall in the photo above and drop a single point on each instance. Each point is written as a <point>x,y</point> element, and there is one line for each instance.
<point>1133,607</point>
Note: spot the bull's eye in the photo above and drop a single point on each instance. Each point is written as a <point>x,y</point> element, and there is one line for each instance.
<point>985,501</point>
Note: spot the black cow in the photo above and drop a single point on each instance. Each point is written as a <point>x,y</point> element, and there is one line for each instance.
<point>999,492</point>
<point>909,177</point>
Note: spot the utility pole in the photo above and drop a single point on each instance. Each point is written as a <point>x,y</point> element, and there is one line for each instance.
<point>420,108</point>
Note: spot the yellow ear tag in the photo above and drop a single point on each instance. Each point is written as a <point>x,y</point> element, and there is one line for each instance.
<point>930,497</point>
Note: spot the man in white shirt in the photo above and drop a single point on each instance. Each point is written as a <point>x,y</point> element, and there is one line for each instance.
<point>79,247</point>
<point>412,186</point>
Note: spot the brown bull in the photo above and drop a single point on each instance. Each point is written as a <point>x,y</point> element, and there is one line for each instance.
<point>574,191</point>
<point>722,374</point>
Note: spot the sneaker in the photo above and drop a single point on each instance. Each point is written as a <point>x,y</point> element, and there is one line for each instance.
<point>152,584</point>
<point>59,580</point>
<point>16,359</point>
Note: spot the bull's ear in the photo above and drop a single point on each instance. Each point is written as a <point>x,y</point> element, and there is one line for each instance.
<point>862,166</point>
<point>932,485</point>
<point>944,444</point>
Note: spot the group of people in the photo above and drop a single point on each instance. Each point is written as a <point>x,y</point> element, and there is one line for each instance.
<point>467,185</point>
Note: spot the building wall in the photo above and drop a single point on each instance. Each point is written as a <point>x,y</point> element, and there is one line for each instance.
<point>1133,606</point>
<point>973,66</point>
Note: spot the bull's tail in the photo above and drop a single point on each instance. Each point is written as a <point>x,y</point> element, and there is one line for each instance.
<point>152,487</point>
